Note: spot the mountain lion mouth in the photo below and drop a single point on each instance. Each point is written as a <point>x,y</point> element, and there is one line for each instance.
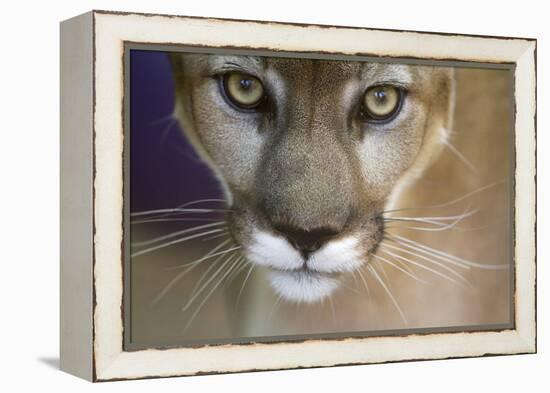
<point>297,278</point>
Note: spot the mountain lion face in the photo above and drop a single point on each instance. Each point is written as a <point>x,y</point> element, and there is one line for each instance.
<point>310,154</point>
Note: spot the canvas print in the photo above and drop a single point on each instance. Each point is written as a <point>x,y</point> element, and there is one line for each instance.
<point>279,197</point>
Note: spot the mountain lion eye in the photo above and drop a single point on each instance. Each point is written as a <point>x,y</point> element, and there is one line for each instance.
<point>244,91</point>
<point>381,103</point>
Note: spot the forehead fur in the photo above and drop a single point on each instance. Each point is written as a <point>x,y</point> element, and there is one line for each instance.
<point>291,67</point>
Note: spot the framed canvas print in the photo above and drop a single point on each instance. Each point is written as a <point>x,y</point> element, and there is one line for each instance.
<point>245,195</point>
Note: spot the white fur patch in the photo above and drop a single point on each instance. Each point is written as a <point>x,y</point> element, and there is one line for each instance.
<point>288,277</point>
<point>274,251</point>
<point>302,286</point>
<point>342,255</point>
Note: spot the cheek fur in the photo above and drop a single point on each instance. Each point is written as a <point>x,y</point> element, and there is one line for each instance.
<point>385,153</point>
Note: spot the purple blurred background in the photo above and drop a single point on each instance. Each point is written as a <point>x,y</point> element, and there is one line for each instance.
<point>165,171</point>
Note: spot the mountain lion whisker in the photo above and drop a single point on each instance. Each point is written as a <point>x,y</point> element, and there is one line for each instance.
<point>354,277</point>
<point>384,274</point>
<point>224,233</point>
<point>332,309</point>
<point>422,266</point>
<point>163,119</point>
<point>177,233</point>
<point>394,301</point>
<point>244,283</point>
<point>364,281</point>
<point>404,266</point>
<point>351,288</point>
<point>274,308</point>
<point>451,202</point>
<point>174,210</point>
<point>432,229</point>
<point>413,220</point>
<point>388,228</point>
<point>208,281</point>
<point>434,219</point>
<point>461,157</point>
<point>169,212</point>
<point>444,255</point>
<point>449,225</point>
<point>198,201</point>
<point>426,229</point>
<point>437,263</point>
<point>171,243</point>
<point>211,254</point>
<point>163,220</point>
<point>431,252</point>
<point>477,228</point>
<point>441,228</point>
<point>188,267</point>
<point>241,263</point>
<point>381,258</point>
<point>204,276</point>
<point>164,133</point>
<point>436,226</point>
<point>199,307</point>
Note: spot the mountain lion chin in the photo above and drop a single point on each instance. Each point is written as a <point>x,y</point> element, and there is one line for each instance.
<point>303,286</point>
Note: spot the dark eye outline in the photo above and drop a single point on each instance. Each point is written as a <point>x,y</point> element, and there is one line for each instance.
<point>369,117</point>
<point>222,81</point>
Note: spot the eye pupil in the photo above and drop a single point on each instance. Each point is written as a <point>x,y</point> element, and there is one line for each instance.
<point>381,103</point>
<point>246,84</point>
<point>243,91</point>
<point>380,96</point>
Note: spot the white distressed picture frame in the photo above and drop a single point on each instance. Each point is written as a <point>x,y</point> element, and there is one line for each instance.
<point>92,194</point>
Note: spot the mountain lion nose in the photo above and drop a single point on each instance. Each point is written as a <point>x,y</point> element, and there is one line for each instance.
<point>306,241</point>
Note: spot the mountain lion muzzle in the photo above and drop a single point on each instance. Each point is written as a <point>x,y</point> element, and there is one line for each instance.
<point>310,154</point>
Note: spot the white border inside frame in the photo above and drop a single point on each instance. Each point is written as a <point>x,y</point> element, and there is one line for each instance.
<point>112,30</point>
